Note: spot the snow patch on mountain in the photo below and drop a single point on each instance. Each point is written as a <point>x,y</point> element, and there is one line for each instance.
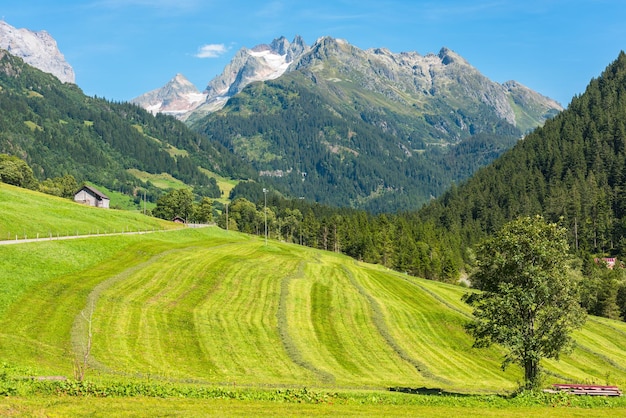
<point>261,63</point>
<point>176,98</point>
<point>276,65</point>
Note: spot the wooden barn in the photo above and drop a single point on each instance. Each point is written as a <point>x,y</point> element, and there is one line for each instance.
<point>91,196</point>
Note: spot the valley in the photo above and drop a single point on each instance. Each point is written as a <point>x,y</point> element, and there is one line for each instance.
<point>218,307</point>
<point>342,196</point>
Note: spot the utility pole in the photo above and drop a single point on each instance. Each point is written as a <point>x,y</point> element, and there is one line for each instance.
<point>265,211</point>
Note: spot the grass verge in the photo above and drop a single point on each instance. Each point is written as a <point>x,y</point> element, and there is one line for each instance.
<point>146,398</point>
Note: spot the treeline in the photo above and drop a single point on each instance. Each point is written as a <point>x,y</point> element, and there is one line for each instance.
<point>401,242</point>
<point>407,242</point>
<point>16,172</point>
<point>179,205</point>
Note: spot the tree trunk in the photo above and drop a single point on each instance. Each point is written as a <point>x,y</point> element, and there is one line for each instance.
<point>531,373</point>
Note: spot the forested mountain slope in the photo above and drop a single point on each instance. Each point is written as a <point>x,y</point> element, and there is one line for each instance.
<point>573,168</point>
<point>58,131</point>
<point>372,129</point>
<point>573,171</point>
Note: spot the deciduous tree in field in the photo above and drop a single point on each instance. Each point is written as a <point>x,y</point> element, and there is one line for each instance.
<point>16,171</point>
<point>529,303</point>
<point>175,203</point>
<point>203,212</point>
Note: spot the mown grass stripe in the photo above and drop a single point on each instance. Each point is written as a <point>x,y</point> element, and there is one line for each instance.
<point>287,340</point>
<point>79,332</point>
<point>379,320</point>
<point>427,332</point>
<point>325,325</point>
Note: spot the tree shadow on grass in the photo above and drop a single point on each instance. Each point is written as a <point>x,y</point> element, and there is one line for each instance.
<point>426,391</point>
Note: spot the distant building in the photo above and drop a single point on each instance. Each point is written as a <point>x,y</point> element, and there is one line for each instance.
<point>178,220</point>
<point>91,196</point>
<point>609,262</point>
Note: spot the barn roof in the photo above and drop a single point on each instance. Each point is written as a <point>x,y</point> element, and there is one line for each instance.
<point>94,191</point>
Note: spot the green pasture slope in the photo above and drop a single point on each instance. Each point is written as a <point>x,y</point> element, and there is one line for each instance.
<point>29,214</point>
<point>219,309</point>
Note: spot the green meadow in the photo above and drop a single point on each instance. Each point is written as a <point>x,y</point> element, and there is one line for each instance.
<point>226,185</point>
<point>222,324</point>
<point>29,214</point>
<point>164,180</point>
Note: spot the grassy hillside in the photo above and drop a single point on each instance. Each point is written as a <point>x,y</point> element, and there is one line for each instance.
<point>218,307</point>
<point>26,213</point>
<point>223,308</point>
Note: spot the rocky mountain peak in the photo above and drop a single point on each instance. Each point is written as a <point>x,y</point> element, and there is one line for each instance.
<point>326,46</point>
<point>180,83</point>
<point>180,79</point>
<point>38,49</point>
<point>176,98</point>
<point>280,45</point>
<point>448,56</point>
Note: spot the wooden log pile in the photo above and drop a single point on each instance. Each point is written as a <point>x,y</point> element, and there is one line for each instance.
<point>593,390</point>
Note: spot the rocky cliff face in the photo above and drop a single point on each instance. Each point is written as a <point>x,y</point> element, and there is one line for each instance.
<point>38,49</point>
<point>263,62</point>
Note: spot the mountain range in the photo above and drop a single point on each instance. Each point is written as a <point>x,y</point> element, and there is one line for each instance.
<point>407,77</point>
<point>333,123</point>
<point>368,129</point>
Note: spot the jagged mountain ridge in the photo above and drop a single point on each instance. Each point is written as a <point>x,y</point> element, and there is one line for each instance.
<point>263,62</point>
<point>432,84</point>
<point>38,49</point>
<point>423,83</point>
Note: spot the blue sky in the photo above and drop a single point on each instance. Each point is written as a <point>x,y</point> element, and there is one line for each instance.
<point>120,49</point>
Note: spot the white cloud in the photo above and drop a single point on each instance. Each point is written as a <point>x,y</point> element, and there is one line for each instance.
<point>211,51</point>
